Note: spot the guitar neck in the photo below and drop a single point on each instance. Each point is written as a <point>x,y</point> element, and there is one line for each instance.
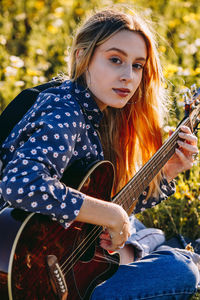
<point>134,188</point>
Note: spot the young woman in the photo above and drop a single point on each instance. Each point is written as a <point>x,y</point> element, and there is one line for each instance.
<point>111,108</point>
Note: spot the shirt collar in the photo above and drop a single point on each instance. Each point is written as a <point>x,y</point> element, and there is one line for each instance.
<point>85,100</point>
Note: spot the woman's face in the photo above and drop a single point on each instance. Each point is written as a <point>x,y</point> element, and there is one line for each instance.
<point>115,70</point>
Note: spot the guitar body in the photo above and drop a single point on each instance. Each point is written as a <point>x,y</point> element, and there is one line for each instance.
<point>33,248</point>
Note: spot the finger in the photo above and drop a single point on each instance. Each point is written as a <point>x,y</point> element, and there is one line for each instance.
<point>187,163</point>
<point>191,148</point>
<point>186,129</point>
<point>106,245</point>
<point>188,137</point>
<point>105,237</point>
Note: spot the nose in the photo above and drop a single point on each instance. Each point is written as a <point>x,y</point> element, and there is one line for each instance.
<point>127,74</point>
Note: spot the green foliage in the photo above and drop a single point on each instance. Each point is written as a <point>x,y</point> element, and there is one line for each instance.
<point>35,36</point>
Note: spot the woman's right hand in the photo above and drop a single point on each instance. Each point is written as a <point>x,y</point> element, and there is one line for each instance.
<point>110,216</point>
<point>114,237</point>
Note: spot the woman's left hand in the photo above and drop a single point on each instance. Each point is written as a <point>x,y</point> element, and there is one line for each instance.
<point>184,156</point>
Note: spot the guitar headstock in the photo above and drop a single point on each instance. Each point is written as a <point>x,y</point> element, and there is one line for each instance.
<point>192,106</point>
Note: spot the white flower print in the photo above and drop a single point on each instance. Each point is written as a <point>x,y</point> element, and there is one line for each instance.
<point>55,154</point>
<point>65,217</point>
<point>5,178</point>
<point>45,197</point>
<point>35,168</point>
<point>25,180</point>
<point>74,200</point>
<point>45,151</point>
<point>45,137</point>
<point>42,188</point>
<point>63,205</point>
<point>20,191</point>
<point>34,204</point>
<point>64,157</point>
<point>48,207</point>
<point>34,151</point>
<point>19,200</point>
<point>15,170</point>
<point>12,148</point>
<point>8,191</point>
<point>24,173</point>
<point>32,140</point>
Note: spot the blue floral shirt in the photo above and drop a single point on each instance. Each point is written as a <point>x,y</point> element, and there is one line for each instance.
<point>58,129</point>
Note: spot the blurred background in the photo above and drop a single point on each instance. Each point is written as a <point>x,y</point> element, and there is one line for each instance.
<point>35,39</point>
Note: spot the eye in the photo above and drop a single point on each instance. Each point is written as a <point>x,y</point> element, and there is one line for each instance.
<point>115,60</point>
<point>138,66</point>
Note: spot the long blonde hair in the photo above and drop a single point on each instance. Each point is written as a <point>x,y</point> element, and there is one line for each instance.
<point>131,135</point>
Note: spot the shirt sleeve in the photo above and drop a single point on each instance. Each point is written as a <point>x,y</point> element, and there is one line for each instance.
<point>166,190</point>
<point>31,180</point>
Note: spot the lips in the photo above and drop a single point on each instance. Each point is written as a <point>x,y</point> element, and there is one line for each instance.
<point>122,92</point>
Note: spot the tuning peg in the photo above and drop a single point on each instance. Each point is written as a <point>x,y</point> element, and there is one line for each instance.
<point>197,102</point>
<point>190,94</point>
<point>186,99</point>
<point>193,88</point>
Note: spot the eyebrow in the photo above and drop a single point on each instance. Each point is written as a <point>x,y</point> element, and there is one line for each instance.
<point>124,53</point>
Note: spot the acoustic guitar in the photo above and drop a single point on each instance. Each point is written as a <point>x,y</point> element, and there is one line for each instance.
<point>40,260</point>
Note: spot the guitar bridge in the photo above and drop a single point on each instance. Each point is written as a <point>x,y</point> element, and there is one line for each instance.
<point>57,278</point>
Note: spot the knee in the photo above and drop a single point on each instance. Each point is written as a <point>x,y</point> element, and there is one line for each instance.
<point>183,269</point>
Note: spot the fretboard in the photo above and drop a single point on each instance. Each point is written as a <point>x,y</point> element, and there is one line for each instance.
<point>137,185</point>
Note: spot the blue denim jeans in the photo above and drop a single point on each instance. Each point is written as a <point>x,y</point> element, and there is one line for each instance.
<point>164,274</point>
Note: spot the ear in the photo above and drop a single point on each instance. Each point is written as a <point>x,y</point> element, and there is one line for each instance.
<point>79,53</point>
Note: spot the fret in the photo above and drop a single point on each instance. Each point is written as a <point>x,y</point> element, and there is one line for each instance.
<point>134,188</point>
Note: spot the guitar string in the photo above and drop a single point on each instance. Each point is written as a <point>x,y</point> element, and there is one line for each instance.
<point>80,247</point>
<point>95,230</point>
<point>138,177</point>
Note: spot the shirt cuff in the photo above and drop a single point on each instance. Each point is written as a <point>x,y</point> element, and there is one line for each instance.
<point>72,203</point>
